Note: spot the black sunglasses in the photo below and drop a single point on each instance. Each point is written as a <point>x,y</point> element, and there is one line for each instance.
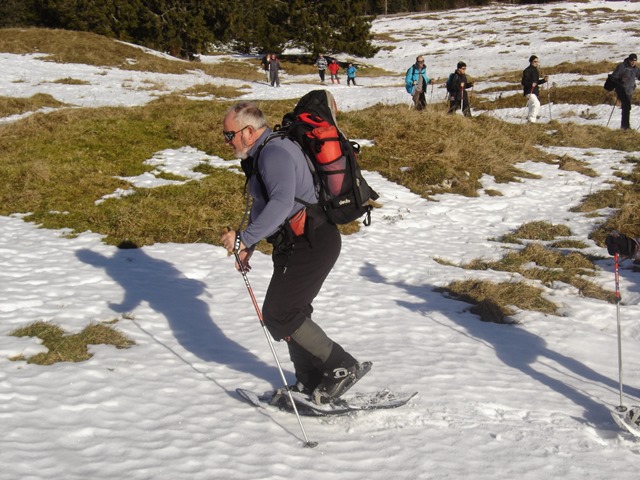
<point>229,136</point>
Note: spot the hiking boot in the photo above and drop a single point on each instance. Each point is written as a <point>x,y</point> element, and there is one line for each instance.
<point>337,381</point>
<point>281,399</point>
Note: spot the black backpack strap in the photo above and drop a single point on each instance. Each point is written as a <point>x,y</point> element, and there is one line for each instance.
<point>254,164</point>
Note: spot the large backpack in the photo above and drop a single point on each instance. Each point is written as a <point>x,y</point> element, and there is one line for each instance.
<point>450,88</point>
<point>343,193</point>
<point>610,83</point>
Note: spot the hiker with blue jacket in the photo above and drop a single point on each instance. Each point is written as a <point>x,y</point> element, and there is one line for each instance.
<point>351,74</point>
<point>305,244</point>
<point>416,82</point>
<point>624,78</point>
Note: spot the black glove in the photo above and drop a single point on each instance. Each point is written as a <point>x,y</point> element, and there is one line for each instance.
<point>621,244</point>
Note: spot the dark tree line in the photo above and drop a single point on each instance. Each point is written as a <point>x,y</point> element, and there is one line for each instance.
<point>186,28</point>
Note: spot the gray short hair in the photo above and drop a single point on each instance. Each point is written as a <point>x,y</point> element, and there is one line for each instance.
<point>247,113</point>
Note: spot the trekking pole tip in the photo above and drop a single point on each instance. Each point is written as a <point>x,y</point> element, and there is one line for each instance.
<point>310,444</point>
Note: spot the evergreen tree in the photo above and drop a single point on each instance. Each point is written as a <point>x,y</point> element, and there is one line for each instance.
<point>257,26</point>
<point>330,26</point>
<point>17,13</point>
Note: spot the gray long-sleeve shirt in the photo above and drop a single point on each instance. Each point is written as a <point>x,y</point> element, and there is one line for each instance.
<point>286,176</point>
<point>626,75</point>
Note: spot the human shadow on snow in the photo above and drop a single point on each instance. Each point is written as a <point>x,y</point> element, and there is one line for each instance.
<point>519,349</point>
<point>170,293</point>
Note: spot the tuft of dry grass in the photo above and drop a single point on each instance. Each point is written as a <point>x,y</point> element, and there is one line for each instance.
<point>548,266</point>
<point>571,164</point>
<point>494,302</point>
<point>14,106</point>
<point>63,347</point>
<point>538,230</point>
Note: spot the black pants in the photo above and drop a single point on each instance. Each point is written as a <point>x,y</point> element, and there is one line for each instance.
<point>298,275</point>
<point>625,102</point>
<point>321,73</point>
<point>454,104</point>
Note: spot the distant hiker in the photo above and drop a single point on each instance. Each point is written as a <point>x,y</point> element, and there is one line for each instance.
<point>531,82</point>
<point>623,245</point>
<point>333,70</point>
<point>265,64</point>
<point>351,74</point>
<point>457,85</point>
<point>305,244</point>
<point>274,67</point>
<point>416,82</point>
<point>624,78</point>
<point>321,63</point>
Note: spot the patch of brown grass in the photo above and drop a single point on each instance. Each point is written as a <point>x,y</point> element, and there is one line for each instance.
<point>493,301</point>
<point>13,106</point>
<point>63,347</point>
<point>432,152</point>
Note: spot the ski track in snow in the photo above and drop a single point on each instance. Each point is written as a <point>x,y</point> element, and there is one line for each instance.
<point>524,401</point>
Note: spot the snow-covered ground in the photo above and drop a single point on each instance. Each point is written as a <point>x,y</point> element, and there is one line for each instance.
<point>525,401</point>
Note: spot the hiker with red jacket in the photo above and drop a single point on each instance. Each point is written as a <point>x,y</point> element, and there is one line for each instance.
<point>333,70</point>
<point>280,182</point>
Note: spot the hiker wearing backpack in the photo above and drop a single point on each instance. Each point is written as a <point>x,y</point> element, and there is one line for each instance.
<point>416,82</point>
<point>457,85</point>
<point>624,80</point>
<point>306,245</point>
<point>531,82</point>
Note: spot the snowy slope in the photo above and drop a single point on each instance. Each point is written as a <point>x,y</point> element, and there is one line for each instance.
<point>525,401</point>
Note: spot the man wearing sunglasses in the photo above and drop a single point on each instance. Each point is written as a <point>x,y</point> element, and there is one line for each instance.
<point>301,259</point>
<point>416,82</point>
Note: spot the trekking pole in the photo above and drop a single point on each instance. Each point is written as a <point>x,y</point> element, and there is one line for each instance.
<point>307,443</point>
<point>621,407</point>
<point>549,100</point>
<point>611,114</point>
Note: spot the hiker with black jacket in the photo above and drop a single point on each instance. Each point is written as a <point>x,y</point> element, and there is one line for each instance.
<point>457,85</point>
<point>305,248</point>
<point>626,247</point>
<point>531,82</point>
<point>624,78</point>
